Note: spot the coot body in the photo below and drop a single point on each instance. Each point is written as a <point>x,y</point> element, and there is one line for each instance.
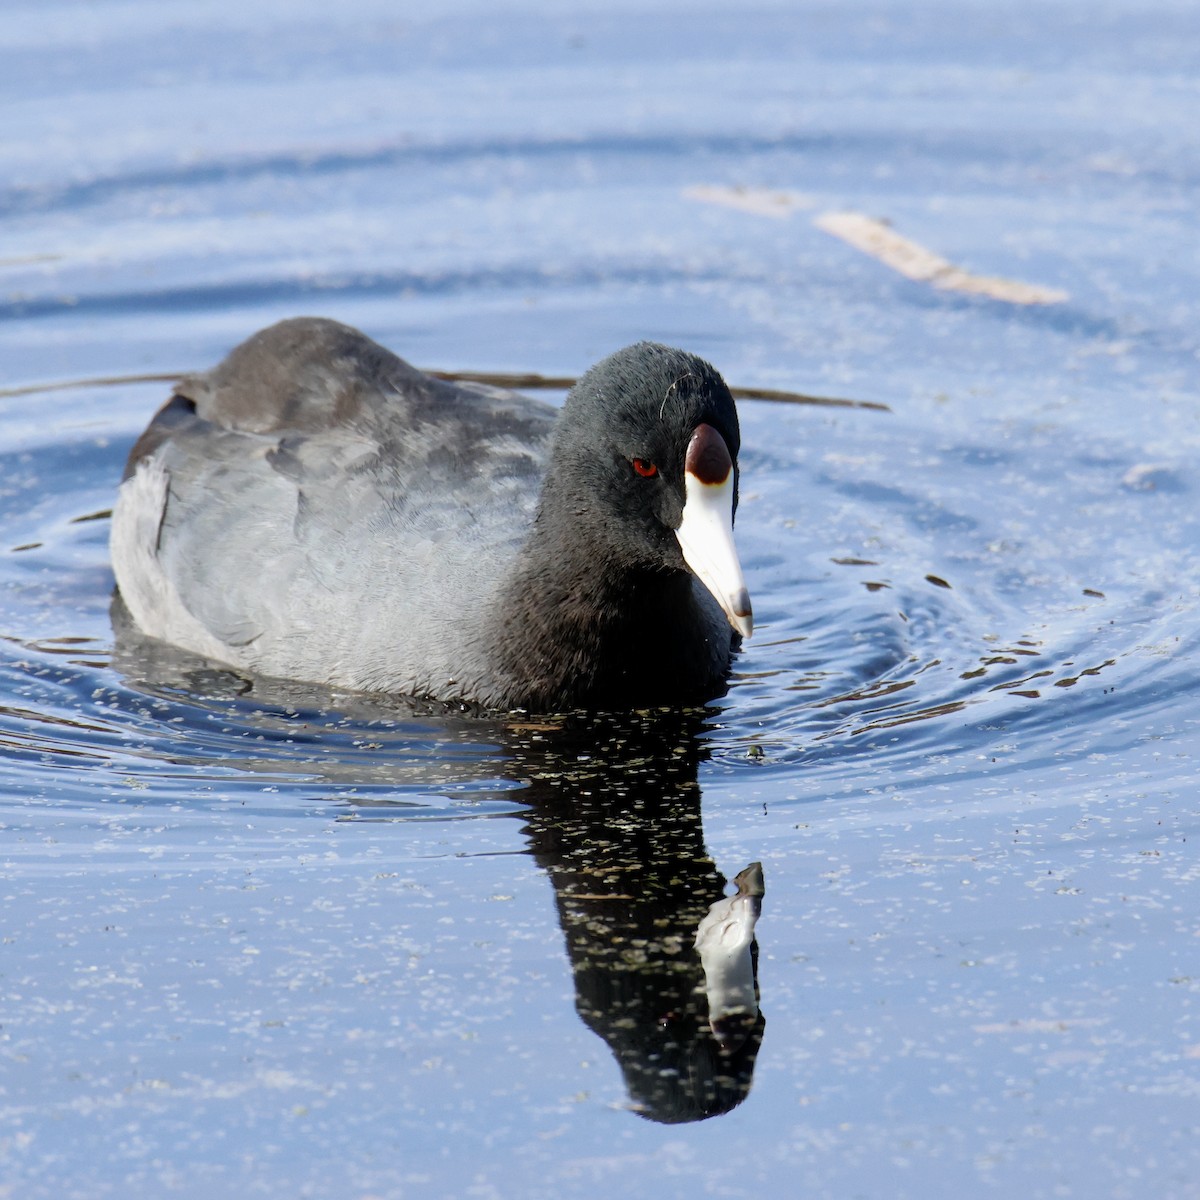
<point>315,508</point>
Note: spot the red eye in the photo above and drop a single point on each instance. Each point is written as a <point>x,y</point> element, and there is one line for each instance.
<point>643,468</point>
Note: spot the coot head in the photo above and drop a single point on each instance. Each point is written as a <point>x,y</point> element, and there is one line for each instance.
<point>646,453</point>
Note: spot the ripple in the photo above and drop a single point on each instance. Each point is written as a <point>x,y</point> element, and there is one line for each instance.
<point>888,642</point>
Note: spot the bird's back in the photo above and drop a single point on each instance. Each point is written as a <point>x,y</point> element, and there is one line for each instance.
<point>316,508</point>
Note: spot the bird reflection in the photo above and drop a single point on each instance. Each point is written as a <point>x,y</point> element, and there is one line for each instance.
<point>665,964</point>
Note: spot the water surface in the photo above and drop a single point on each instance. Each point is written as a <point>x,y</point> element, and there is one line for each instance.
<point>282,942</point>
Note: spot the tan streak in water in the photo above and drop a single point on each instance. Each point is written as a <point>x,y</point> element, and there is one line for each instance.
<point>914,261</point>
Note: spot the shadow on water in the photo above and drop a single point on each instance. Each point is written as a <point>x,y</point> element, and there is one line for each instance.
<point>664,963</point>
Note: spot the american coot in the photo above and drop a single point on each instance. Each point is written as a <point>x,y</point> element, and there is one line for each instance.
<point>315,508</point>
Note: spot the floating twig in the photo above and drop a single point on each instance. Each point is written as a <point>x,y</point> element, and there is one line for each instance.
<point>914,261</point>
<point>527,380</point>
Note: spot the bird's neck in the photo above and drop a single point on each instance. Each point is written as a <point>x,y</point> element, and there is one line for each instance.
<point>577,627</point>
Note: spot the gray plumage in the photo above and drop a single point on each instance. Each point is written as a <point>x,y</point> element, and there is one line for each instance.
<point>315,508</point>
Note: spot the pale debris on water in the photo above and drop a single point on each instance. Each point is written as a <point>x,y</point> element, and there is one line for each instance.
<point>762,202</point>
<point>914,261</point>
<point>880,240</point>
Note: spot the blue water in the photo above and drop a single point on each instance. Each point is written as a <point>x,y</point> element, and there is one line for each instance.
<point>271,941</point>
